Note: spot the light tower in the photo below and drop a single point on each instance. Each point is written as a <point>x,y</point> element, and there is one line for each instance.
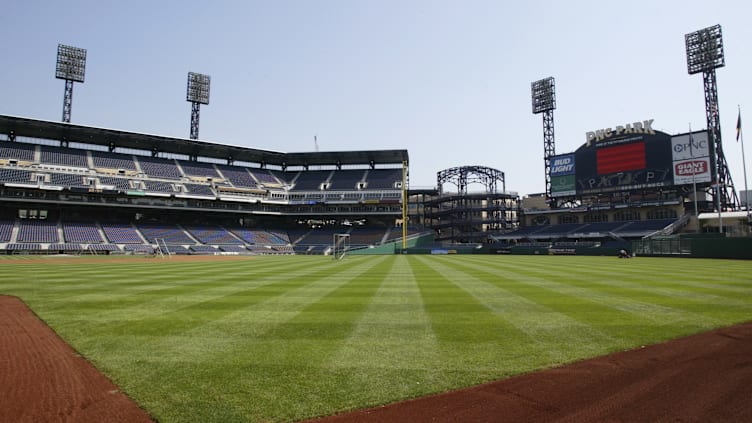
<point>705,54</point>
<point>544,101</point>
<point>197,94</point>
<point>71,66</point>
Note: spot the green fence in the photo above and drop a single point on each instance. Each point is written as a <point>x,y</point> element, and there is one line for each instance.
<point>701,246</point>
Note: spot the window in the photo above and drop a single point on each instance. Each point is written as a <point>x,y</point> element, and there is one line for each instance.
<point>569,218</point>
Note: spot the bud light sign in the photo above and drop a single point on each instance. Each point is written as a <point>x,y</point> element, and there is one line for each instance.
<point>562,165</point>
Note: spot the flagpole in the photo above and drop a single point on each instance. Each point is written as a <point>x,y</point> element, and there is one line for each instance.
<point>744,160</point>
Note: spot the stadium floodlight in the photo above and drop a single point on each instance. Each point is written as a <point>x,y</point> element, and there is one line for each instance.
<point>197,94</point>
<point>544,101</point>
<point>704,55</point>
<point>198,88</point>
<point>71,66</point>
<point>543,95</point>
<point>704,50</point>
<point>71,63</point>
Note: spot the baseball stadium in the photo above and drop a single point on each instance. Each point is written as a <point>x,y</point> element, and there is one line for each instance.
<point>154,278</point>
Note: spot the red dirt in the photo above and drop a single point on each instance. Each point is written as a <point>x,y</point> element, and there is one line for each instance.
<point>701,378</point>
<point>706,377</point>
<point>42,379</point>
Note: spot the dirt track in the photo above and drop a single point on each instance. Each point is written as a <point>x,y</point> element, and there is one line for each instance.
<point>706,377</point>
<point>42,379</point>
<point>702,378</point>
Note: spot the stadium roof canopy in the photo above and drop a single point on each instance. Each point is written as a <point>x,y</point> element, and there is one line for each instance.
<point>113,139</point>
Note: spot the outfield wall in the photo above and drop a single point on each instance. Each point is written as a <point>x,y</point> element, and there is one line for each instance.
<point>699,246</point>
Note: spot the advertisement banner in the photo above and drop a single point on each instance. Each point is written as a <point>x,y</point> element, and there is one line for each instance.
<point>691,159</point>
<point>562,165</point>
<point>563,186</point>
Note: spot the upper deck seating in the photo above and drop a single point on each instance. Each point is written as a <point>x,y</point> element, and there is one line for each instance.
<point>383,178</point>
<point>238,176</point>
<point>199,169</point>
<point>310,180</point>
<point>113,161</point>
<point>159,168</point>
<point>263,176</point>
<point>17,151</point>
<point>63,156</point>
<point>346,179</point>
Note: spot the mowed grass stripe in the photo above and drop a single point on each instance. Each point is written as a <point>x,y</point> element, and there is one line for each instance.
<point>392,352</point>
<point>669,314</point>
<point>726,278</point>
<point>241,288</point>
<point>657,287</point>
<point>566,286</point>
<point>264,361</point>
<point>182,291</point>
<point>630,321</point>
<point>266,307</point>
<point>158,302</point>
<point>118,283</point>
<point>547,329</point>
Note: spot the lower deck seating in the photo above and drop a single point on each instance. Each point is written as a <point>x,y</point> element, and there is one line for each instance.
<point>37,231</point>
<point>81,232</point>
<point>171,234</point>
<point>121,233</point>
<point>6,229</point>
<point>212,235</point>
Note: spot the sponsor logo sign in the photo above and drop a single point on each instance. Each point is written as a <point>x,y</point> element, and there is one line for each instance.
<point>691,156</point>
<point>562,165</point>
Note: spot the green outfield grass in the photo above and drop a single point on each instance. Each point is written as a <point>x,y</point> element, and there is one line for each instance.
<point>287,338</point>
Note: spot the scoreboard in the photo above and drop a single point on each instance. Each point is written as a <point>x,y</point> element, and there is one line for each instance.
<point>630,161</point>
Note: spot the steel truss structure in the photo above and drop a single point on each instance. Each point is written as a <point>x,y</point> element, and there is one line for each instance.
<point>197,94</point>
<point>71,67</point>
<point>471,216</point>
<point>543,95</point>
<point>705,54</point>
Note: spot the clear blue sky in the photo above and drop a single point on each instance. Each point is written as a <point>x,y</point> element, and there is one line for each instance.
<point>447,80</point>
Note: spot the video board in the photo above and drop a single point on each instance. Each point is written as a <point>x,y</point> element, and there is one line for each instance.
<point>630,161</point>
